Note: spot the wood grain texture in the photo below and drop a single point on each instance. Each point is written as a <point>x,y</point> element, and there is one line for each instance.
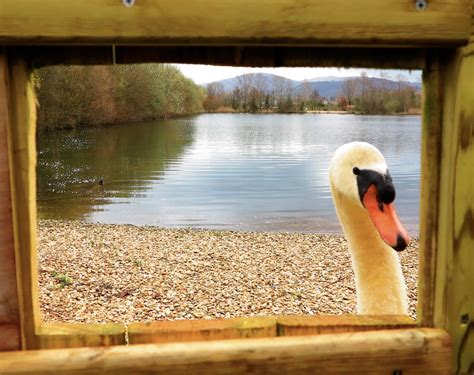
<point>201,330</point>
<point>429,185</point>
<point>319,324</point>
<point>411,351</point>
<point>22,153</point>
<point>67,335</point>
<point>454,292</point>
<point>10,336</point>
<point>472,21</point>
<point>393,58</point>
<point>9,308</point>
<point>71,335</point>
<point>231,22</point>
<point>407,58</point>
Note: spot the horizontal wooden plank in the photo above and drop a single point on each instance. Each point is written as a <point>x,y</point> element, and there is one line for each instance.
<point>232,22</point>
<point>411,351</point>
<point>197,330</point>
<point>74,335</point>
<point>317,324</point>
<point>399,58</point>
<point>69,335</point>
<point>389,58</point>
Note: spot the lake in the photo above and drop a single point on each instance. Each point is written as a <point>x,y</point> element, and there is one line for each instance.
<point>264,172</point>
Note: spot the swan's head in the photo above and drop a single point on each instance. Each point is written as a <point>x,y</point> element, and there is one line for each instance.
<point>359,173</point>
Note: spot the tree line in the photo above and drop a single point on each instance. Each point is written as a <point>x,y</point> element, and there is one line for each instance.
<point>257,93</point>
<point>380,96</point>
<point>73,96</point>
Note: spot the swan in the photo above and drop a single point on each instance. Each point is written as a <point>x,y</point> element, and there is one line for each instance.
<point>363,193</point>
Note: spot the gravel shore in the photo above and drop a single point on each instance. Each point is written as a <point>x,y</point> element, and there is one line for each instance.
<point>124,273</point>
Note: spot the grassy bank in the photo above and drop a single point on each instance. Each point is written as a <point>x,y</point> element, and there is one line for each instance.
<point>125,273</point>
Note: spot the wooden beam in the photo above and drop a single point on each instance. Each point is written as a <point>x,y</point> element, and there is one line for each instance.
<point>389,58</point>
<point>430,185</point>
<point>71,335</point>
<point>75,335</point>
<point>405,351</point>
<point>39,56</point>
<point>472,22</point>
<point>199,330</point>
<point>323,324</point>
<point>22,153</point>
<point>231,22</point>
<point>9,308</point>
<point>453,290</point>
<point>395,58</point>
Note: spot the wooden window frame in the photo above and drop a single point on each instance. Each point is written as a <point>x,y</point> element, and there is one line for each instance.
<point>438,44</point>
<point>38,335</point>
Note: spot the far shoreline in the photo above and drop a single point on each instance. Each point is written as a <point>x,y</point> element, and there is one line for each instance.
<point>313,112</point>
<point>45,130</point>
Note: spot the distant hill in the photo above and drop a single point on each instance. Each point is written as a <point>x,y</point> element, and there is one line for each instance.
<point>327,86</point>
<point>327,78</point>
<point>269,79</point>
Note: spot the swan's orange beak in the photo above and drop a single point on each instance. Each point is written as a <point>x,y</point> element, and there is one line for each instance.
<point>385,220</point>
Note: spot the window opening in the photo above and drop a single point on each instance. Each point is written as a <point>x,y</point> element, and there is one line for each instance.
<point>161,198</point>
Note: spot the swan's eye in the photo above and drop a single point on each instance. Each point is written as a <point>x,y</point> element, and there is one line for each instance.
<point>356,171</point>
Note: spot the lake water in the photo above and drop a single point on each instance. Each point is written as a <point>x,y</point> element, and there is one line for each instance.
<point>221,171</point>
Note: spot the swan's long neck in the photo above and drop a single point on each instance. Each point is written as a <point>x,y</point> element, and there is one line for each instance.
<point>379,279</point>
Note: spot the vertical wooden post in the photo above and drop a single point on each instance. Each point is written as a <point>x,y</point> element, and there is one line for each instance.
<point>429,189</point>
<point>9,310</point>
<point>21,130</point>
<point>453,307</point>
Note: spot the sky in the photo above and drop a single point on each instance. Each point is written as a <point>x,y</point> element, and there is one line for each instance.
<point>209,73</point>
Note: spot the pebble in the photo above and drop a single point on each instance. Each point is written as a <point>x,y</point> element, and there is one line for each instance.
<point>152,273</point>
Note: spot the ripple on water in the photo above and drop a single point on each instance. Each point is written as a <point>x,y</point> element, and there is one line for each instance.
<point>229,171</point>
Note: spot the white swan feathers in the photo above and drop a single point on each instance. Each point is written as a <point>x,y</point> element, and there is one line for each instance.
<point>363,195</point>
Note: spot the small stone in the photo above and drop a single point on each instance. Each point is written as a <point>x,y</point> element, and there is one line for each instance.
<point>150,273</point>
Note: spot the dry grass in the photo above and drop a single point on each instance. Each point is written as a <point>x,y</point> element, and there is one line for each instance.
<point>124,273</point>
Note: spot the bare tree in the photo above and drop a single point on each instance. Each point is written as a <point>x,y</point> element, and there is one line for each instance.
<point>365,90</point>
<point>260,88</point>
<point>306,90</point>
<point>383,83</point>
<point>214,96</point>
<point>246,83</point>
<point>349,89</point>
<point>236,98</point>
<point>282,89</point>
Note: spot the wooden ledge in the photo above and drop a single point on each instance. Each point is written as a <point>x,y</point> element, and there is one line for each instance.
<point>318,324</point>
<point>201,330</point>
<point>74,335</point>
<point>236,22</point>
<point>248,56</point>
<point>409,351</point>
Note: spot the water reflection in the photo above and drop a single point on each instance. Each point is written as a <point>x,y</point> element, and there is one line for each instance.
<point>128,158</point>
<point>251,172</point>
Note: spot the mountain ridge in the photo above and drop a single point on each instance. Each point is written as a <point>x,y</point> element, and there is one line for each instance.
<point>329,87</point>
